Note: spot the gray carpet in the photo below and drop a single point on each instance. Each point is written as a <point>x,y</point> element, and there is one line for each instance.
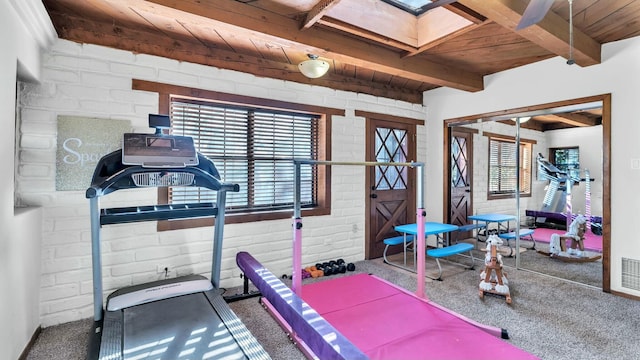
<point>550,318</point>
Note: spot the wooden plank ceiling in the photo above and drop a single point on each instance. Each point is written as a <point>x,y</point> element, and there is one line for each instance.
<point>372,47</point>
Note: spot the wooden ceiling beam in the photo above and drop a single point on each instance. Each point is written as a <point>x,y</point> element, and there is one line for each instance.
<point>317,12</point>
<point>331,45</point>
<point>466,13</point>
<point>551,33</point>
<point>572,119</point>
<point>84,30</point>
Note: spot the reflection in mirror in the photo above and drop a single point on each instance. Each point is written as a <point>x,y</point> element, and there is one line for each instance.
<point>544,170</point>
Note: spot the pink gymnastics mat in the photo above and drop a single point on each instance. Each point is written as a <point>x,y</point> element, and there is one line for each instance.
<point>387,322</point>
<point>591,241</point>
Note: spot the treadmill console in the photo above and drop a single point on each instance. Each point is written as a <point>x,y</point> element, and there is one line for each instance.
<point>158,151</point>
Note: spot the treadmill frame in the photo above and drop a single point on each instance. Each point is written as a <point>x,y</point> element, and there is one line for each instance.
<point>111,175</point>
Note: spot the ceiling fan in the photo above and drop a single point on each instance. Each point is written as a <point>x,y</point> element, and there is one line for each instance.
<point>536,11</point>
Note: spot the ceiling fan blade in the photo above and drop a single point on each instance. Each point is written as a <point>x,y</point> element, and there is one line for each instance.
<point>535,11</point>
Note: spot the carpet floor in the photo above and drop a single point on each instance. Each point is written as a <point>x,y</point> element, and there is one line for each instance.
<point>549,317</point>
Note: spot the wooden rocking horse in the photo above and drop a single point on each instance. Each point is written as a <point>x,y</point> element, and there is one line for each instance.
<point>493,278</point>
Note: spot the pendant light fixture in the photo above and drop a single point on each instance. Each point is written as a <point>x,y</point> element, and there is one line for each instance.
<point>314,67</point>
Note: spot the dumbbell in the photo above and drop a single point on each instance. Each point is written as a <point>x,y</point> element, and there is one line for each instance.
<point>351,267</point>
<point>319,267</point>
<point>314,271</point>
<point>335,269</point>
<point>326,268</point>
<point>342,267</point>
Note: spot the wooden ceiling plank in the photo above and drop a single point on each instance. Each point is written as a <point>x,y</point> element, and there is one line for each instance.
<point>562,8</point>
<point>616,25</point>
<point>317,12</point>
<point>489,37</point>
<point>602,9</point>
<point>551,33</point>
<point>330,44</point>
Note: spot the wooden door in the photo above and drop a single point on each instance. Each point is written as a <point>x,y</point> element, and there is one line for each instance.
<point>461,178</point>
<point>391,189</point>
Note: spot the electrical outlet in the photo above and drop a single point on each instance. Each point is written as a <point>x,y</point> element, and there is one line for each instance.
<point>635,164</point>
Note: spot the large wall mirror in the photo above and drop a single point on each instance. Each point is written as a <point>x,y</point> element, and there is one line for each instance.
<point>543,164</point>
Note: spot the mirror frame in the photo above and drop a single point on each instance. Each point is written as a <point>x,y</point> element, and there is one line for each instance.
<point>606,164</point>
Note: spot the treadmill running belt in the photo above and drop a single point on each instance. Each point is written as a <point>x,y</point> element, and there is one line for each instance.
<point>179,327</point>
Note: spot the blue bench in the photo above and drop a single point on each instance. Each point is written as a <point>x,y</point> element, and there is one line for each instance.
<point>397,240</point>
<point>451,250</point>
<point>512,235</point>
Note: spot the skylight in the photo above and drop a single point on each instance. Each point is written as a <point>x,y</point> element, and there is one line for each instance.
<point>415,7</point>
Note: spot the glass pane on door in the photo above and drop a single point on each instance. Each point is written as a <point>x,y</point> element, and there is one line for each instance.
<point>391,146</point>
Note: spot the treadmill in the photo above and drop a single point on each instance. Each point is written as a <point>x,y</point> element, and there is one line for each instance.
<point>178,318</point>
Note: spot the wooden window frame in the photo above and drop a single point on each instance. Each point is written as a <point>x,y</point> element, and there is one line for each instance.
<point>324,150</point>
<point>529,179</point>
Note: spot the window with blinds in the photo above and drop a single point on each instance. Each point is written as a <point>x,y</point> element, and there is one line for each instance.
<point>503,168</point>
<point>252,147</point>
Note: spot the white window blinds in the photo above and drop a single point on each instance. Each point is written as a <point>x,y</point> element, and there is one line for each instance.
<point>503,167</point>
<point>251,147</point>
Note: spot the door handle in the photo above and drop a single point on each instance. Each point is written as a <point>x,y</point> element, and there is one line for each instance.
<point>373,196</point>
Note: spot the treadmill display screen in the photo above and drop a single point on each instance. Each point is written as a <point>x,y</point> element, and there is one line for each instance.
<point>151,150</point>
<point>161,142</point>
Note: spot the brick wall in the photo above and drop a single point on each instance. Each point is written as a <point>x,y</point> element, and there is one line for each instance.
<point>94,81</point>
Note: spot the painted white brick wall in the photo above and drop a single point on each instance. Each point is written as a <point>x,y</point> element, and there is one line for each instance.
<point>94,81</point>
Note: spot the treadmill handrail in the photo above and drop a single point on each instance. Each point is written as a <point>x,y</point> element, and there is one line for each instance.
<point>131,214</point>
<point>111,175</point>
